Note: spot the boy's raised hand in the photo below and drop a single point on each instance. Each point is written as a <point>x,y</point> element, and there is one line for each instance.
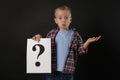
<point>37,37</point>
<point>90,40</point>
<point>93,39</point>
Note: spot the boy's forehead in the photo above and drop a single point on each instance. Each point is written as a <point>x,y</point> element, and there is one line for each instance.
<point>62,12</point>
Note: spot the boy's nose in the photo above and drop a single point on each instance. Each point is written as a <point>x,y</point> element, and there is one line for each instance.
<point>63,19</point>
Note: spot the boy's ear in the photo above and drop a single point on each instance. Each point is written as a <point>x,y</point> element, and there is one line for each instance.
<point>55,20</point>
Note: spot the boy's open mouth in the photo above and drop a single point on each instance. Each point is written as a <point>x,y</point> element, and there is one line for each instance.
<point>63,24</point>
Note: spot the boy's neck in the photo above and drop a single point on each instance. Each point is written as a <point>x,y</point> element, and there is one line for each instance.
<point>64,29</point>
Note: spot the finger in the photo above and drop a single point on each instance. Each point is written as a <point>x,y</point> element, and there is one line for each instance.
<point>98,37</point>
<point>38,37</point>
<point>33,38</point>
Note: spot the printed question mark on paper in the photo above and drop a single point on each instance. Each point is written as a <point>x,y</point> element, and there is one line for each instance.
<point>42,49</point>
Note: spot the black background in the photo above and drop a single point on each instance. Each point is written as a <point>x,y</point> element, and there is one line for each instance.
<point>21,19</point>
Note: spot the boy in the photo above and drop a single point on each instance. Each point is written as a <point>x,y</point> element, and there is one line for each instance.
<point>66,44</point>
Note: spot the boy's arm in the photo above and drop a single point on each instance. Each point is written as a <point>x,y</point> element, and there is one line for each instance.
<point>81,50</point>
<point>89,41</point>
<point>83,47</point>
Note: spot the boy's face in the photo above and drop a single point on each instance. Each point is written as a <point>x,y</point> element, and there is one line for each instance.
<point>63,19</point>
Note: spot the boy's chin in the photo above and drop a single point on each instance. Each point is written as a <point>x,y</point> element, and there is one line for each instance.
<point>64,28</point>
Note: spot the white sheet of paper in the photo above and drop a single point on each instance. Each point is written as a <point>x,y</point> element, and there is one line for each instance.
<point>39,56</point>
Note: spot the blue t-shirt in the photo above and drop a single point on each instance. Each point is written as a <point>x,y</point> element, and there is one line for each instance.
<point>63,42</point>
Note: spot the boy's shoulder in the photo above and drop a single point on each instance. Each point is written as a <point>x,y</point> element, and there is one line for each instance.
<point>75,31</point>
<point>53,30</point>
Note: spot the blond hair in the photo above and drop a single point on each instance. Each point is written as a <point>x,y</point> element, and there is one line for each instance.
<point>63,8</point>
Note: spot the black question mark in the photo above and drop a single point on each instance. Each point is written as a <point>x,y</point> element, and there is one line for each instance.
<point>42,49</point>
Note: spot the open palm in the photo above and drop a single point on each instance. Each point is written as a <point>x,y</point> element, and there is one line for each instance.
<point>93,39</point>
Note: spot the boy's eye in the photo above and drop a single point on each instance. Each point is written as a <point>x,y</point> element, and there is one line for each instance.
<point>60,18</point>
<point>66,17</point>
